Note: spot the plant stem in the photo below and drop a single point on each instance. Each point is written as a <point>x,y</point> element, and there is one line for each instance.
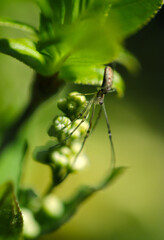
<point>49,189</point>
<point>55,183</point>
<point>42,89</point>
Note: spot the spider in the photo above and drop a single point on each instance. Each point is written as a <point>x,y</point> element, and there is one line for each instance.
<point>98,99</point>
<point>89,112</point>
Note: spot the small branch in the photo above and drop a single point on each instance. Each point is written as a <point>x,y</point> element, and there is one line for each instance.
<point>42,89</point>
<point>55,182</point>
<point>49,189</point>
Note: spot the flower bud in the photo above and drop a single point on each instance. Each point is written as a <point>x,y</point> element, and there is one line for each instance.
<point>73,105</point>
<point>81,130</point>
<point>80,163</point>
<point>53,206</point>
<point>65,151</point>
<point>62,104</point>
<point>60,127</point>
<point>78,98</point>
<point>31,228</point>
<point>59,159</point>
<point>75,147</point>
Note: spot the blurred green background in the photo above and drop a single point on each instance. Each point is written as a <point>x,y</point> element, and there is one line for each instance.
<point>133,207</point>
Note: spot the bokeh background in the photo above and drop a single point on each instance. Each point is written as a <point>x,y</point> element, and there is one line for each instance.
<point>133,207</point>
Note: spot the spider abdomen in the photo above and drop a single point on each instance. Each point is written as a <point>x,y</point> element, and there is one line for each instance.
<point>107,80</point>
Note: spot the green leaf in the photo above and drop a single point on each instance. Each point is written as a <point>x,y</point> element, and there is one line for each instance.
<point>129,61</point>
<point>60,11</point>
<point>11,164</point>
<point>19,25</point>
<point>118,84</point>
<point>82,73</point>
<point>73,23</point>
<point>122,18</point>
<point>132,15</point>
<point>75,10</point>
<point>25,51</point>
<point>90,74</point>
<point>88,31</point>
<point>45,8</point>
<point>41,153</point>
<point>51,16</point>
<point>29,199</point>
<point>11,221</point>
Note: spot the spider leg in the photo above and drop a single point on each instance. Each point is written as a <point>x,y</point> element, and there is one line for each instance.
<point>83,119</point>
<point>84,112</point>
<point>89,104</point>
<point>85,94</point>
<point>113,90</point>
<point>97,118</point>
<point>110,138</point>
<point>87,134</point>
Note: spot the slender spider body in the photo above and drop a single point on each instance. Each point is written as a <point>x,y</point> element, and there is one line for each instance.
<point>98,99</point>
<point>106,85</point>
<point>89,112</point>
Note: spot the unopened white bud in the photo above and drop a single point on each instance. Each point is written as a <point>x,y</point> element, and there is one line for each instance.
<point>65,151</point>
<point>31,228</point>
<point>75,147</point>
<point>59,159</point>
<point>80,163</point>
<point>53,206</point>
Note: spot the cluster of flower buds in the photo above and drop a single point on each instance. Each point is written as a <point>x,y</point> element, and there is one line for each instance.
<point>68,132</point>
<point>73,105</point>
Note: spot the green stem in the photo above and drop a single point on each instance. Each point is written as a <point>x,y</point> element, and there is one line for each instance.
<point>49,189</point>
<point>56,182</point>
<point>42,89</point>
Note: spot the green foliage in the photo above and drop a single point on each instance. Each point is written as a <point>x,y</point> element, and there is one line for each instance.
<point>61,156</point>
<point>50,213</point>
<point>11,221</point>
<point>68,132</point>
<point>25,51</point>
<point>68,34</point>
<point>18,25</point>
<point>11,164</point>
<point>74,41</point>
<point>118,84</point>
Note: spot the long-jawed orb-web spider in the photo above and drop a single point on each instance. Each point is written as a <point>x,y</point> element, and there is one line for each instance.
<point>89,112</point>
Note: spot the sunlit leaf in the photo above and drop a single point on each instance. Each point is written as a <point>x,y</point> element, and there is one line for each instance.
<point>90,74</point>
<point>25,51</point>
<point>18,25</point>
<point>83,73</point>
<point>132,15</point>
<point>90,31</point>
<point>118,84</point>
